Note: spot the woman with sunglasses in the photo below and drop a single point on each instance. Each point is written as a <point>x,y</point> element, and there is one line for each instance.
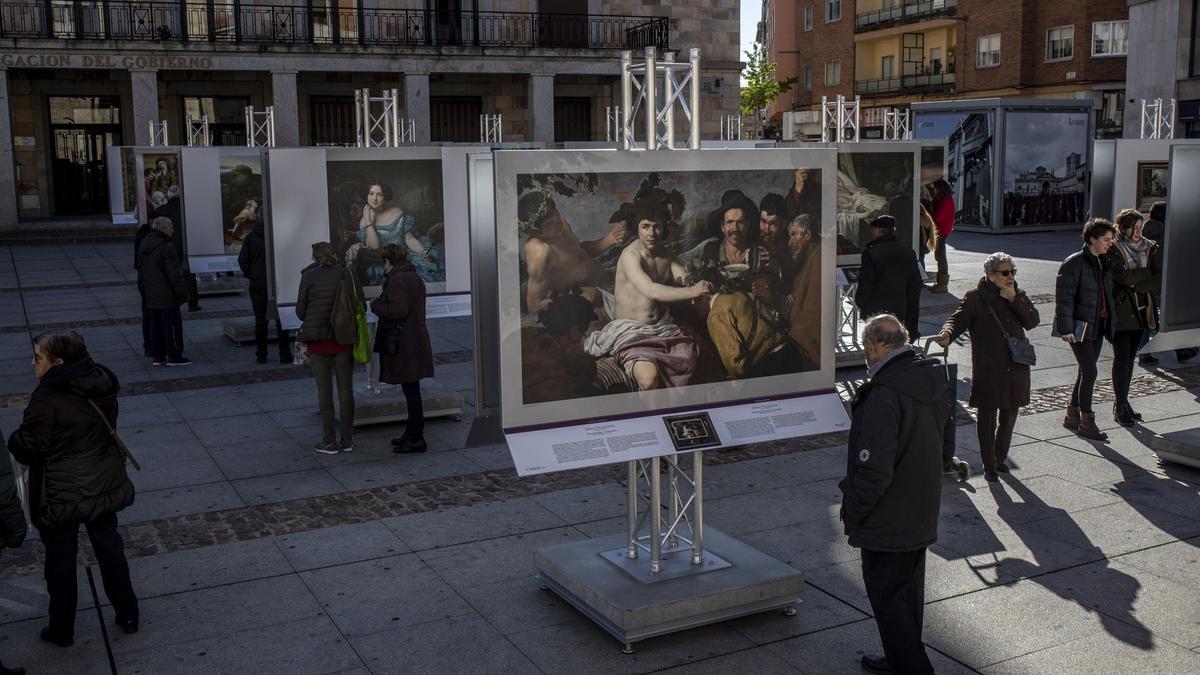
<point>992,312</point>
<point>1083,306</point>
<point>1137,273</point>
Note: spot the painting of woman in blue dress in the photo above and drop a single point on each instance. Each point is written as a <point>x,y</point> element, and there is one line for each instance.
<point>368,216</point>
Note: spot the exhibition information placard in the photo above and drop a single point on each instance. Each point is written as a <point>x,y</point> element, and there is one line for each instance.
<point>631,438</point>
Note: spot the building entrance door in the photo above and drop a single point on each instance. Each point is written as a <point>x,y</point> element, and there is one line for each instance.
<point>81,129</point>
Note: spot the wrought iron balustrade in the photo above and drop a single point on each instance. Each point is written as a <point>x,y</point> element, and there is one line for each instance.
<point>908,12</point>
<point>225,22</point>
<point>908,84</point>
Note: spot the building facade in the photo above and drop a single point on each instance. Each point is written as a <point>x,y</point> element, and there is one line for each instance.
<point>77,76</point>
<point>894,52</point>
<point>1164,61</point>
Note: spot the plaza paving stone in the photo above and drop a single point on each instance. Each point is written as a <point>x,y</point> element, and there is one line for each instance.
<point>251,552</point>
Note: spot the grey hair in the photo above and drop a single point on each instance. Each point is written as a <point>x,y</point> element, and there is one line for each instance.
<point>161,223</point>
<point>885,330</point>
<point>994,260</point>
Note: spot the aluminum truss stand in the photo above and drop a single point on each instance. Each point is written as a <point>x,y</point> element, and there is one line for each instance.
<point>377,119</point>
<point>897,125</point>
<point>840,119</point>
<point>491,129</point>
<point>260,127</point>
<point>680,87</point>
<point>1157,118</point>
<point>612,123</point>
<point>731,127</point>
<point>158,134</point>
<point>197,132</point>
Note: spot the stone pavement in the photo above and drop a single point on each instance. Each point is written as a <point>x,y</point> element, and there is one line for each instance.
<point>251,552</point>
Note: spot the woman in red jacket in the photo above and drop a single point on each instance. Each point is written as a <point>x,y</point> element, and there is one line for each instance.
<point>943,219</point>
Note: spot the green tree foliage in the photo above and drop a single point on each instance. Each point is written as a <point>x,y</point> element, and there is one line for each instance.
<point>760,88</point>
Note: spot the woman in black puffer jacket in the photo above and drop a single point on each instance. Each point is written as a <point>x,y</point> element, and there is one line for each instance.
<point>1083,297</point>
<point>77,477</point>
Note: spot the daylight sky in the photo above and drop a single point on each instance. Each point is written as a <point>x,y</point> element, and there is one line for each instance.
<point>751,11</point>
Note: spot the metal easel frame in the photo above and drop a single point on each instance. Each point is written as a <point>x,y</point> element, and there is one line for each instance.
<point>839,117</point>
<point>1155,121</point>
<point>158,134</point>
<point>491,128</point>
<point>731,127</point>
<point>386,129</point>
<point>197,132</point>
<point>897,125</point>
<point>659,116</point>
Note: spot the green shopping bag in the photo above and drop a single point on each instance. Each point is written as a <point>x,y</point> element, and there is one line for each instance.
<point>362,344</point>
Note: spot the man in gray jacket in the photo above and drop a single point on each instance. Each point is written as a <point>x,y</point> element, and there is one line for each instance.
<point>164,289</point>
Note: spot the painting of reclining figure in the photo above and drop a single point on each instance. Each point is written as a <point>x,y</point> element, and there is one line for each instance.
<point>640,281</point>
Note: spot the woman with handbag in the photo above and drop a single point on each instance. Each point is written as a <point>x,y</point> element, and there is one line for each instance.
<point>402,341</point>
<point>1136,268</point>
<point>76,477</point>
<point>319,285</point>
<point>996,314</point>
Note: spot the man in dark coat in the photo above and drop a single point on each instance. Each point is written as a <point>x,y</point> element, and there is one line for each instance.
<point>890,281</point>
<point>173,209</point>
<point>253,261</point>
<point>164,290</point>
<point>401,311</point>
<point>892,489</point>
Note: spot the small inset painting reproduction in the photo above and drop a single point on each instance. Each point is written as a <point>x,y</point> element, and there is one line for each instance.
<point>692,432</point>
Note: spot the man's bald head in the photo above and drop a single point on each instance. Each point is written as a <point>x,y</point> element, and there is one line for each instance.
<point>883,335</point>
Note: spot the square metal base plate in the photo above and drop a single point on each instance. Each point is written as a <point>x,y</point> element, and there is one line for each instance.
<point>674,565</point>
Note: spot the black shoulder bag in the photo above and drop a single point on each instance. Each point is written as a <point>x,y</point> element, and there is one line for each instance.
<point>1020,351</point>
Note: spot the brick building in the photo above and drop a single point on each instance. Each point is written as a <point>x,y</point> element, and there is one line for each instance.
<point>77,76</point>
<point>894,52</point>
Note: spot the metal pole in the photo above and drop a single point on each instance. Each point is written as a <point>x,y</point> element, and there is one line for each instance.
<point>249,127</point>
<point>697,507</point>
<point>650,100</point>
<point>482,130</point>
<point>694,138</point>
<point>857,108</point>
<point>824,119</point>
<point>626,99</point>
<point>395,117</point>
<point>631,551</point>
<point>655,514</point>
<point>673,501</point>
<point>270,126</point>
<point>669,94</point>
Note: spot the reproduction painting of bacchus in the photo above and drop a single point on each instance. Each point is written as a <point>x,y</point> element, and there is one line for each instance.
<point>634,282</point>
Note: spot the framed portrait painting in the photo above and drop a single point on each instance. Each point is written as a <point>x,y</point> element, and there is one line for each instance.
<point>1152,181</point>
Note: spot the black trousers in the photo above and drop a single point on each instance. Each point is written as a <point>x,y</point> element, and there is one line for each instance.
<point>62,547</point>
<point>325,367</point>
<point>896,588</point>
<point>147,344</point>
<point>261,305</point>
<point>995,438</point>
<point>166,334</point>
<point>1125,346</point>
<point>414,428</point>
<point>1087,353</point>
<point>939,254</point>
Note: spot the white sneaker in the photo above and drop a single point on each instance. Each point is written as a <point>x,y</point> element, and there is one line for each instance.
<point>347,447</point>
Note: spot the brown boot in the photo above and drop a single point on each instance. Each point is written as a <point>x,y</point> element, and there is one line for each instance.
<point>1071,421</point>
<point>942,283</point>
<point>1088,429</point>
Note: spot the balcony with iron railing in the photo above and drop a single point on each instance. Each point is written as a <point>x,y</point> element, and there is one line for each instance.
<point>223,24</point>
<point>941,83</point>
<point>904,13</point>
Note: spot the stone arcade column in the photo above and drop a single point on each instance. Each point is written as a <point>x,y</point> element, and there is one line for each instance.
<point>287,108</point>
<point>416,103</point>
<point>541,108</point>
<point>144,90</point>
<point>8,170</point>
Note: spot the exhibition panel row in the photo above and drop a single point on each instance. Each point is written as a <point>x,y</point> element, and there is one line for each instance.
<point>1131,173</point>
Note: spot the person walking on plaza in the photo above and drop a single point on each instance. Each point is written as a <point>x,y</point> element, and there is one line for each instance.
<point>943,214</point>
<point>76,477</point>
<point>890,281</point>
<point>993,312</point>
<point>1136,268</point>
<point>402,341</point>
<point>165,290</point>
<point>892,489</point>
<point>12,518</point>
<point>253,261</point>
<point>1083,305</point>
<point>1155,229</point>
<point>327,357</point>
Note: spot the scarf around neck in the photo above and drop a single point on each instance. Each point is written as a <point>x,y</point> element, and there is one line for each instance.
<point>1135,253</point>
